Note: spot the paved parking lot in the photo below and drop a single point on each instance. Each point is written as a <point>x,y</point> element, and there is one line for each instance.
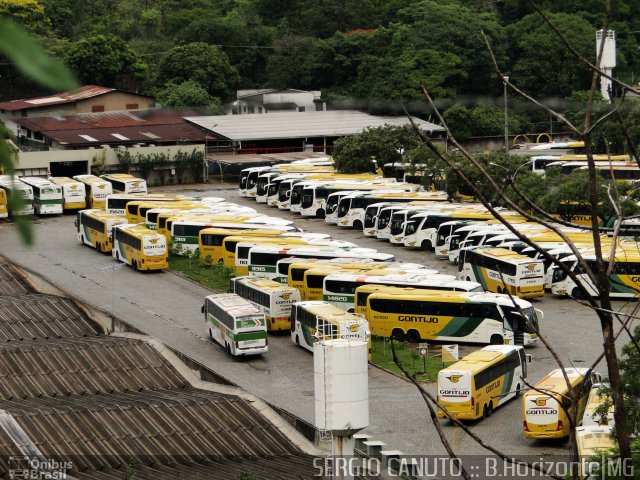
<point>168,308</point>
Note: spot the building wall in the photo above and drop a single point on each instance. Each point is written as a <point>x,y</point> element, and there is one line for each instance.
<point>40,160</point>
<point>114,101</point>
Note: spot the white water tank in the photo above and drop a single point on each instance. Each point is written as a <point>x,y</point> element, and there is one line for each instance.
<point>609,52</point>
<point>341,385</point>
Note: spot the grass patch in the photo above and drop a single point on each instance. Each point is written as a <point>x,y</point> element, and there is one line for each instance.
<point>215,277</point>
<point>424,369</point>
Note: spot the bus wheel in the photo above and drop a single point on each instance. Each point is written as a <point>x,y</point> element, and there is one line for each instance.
<point>518,391</point>
<point>397,334</point>
<point>496,340</point>
<point>297,340</point>
<point>98,248</point>
<point>320,213</point>
<point>357,225</point>
<point>577,293</point>
<point>228,349</point>
<point>490,410</point>
<point>426,245</point>
<point>211,334</point>
<point>413,336</point>
<point>134,265</point>
<point>485,412</point>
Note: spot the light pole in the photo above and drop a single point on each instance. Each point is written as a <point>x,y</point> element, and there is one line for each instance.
<point>506,117</point>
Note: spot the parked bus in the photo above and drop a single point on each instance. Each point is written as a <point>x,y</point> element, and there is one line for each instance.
<point>140,247</point>
<point>314,321</point>
<point>273,299</point>
<point>595,444</point>
<point>545,406</point>
<point>136,210</point>
<point>500,270</point>
<point>95,228</point>
<point>236,324</point>
<point>211,240</point>
<point>74,194</point>
<point>24,194</point>
<point>4,204</point>
<point>597,398</point>
<point>97,191</point>
<point>263,259</point>
<point>352,208</point>
<point>184,232</point>
<point>125,183</point>
<point>624,280</point>
<point>482,381</point>
<point>244,177</point>
<point>236,250</point>
<point>473,317</point>
<point>340,288</point>
<point>117,202</point>
<point>47,196</point>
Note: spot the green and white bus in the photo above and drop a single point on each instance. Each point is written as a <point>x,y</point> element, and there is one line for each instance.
<point>47,196</point>
<point>271,298</point>
<point>235,324</point>
<point>263,259</point>
<point>315,320</point>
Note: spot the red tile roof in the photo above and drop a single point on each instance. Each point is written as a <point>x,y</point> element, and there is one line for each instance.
<point>82,93</point>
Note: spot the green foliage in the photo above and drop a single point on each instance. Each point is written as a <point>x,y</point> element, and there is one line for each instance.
<point>481,120</point>
<point>385,144</point>
<point>103,60</point>
<point>214,277</point>
<point>409,357</point>
<point>146,163</point>
<point>284,66</point>
<point>204,64</point>
<point>186,94</point>
<point>28,13</point>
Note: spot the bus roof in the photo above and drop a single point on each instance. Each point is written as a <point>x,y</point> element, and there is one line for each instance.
<point>326,309</point>
<point>452,296</point>
<point>94,212</point>
<point>504,254</point>
<point>90,179</point>
<point>264,283</point>
<point>482,359</point>
<point>234,304</point>
<point>554,381</point>
<point>64,180</point>
<point>139,230</point>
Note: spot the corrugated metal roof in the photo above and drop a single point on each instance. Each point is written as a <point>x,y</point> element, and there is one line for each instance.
<point>11,282</point>
<point>269,126</point>
<point>82,93</point>
<point>28,317</point>
<point>100,401</point>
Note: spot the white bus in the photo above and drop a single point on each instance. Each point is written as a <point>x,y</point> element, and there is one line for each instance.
<point>263,259</point>
<point>24,194</point>
<point>315,320</point>
<point>271,298</point>
<point>125,183</point>
<point>73,193</point>
<point>246,185</point>
<point>352,208</point>
<point>235,324</point>
<point>97,190</point>
<point>500,270</point>
<point>384,224</point>
<point>47,196</point>
<point>340,288</point>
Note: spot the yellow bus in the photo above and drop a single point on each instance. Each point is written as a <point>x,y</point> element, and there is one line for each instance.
<point>4,204</point>
<point>210,240</point>
<point>125,183</point>
<point>501,270</point>
<point>136,211</point>
<point>236,249</point>
<point>97,190</point>
<point>271,298</point>
<point>74,195</point>
<point>117,202</point>
<point>482,381</point>
<point>597,398</point>
<point>473,317</point>
<point>95,228</point>
<point>544,415</point>
<point>295,269</point>
<point>596,444</point>
<point>140,247</point>
<point>317,320</point>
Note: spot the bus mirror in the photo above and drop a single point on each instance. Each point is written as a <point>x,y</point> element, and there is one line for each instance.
<point>539,314</point>
<point>202,308</point>
<point>529,357</point>
<point>596,377</point>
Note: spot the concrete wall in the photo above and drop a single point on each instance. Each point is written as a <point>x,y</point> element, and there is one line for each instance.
<point>115,101</point>
<point>42,160</point>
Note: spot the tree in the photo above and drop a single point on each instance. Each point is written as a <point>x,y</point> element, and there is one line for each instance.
<point>385,144</point>
<point>103,60</point>
<point>28,13</point>
<point>202,63</point>
<point>284,66</point>
<point>186,94</point>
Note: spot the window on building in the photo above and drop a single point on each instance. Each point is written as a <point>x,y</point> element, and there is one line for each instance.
<point>132,106</point>
<point>97,108</point>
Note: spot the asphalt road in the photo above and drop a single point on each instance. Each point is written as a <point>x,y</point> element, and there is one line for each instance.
<point>168,307</point>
